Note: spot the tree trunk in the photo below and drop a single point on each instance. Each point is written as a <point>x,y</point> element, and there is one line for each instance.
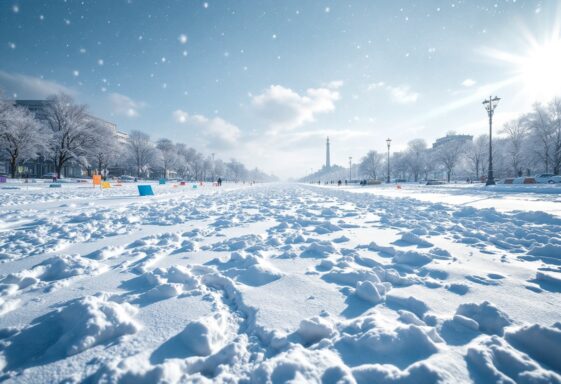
<point>13,163</point>
<point>448,174</point>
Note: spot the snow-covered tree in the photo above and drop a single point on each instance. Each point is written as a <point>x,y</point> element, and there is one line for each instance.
<point>371,164</point>
<point>515,134</point>
<point>477,153</point>
<point>449,155</point>
<point>167,155</point>
<point>22,137</point>
<point>141,151</point>
<point>70,128</point>
<point>104,150</point>
<point>416,157</point>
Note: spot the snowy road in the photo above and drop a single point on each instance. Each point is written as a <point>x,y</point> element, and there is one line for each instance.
<point>273,283</point>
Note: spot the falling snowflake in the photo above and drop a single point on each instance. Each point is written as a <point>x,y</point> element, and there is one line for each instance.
<point>182,38</point>
<point>184,53</point>
<point>15,8</point>
<point>163,59</point>
<point>327,9</point>
<point>12,45</point>
<point>205,5</point>
<point>76,73</point>
<point>274,35</point>
<point>100,62</point>
<point>41,17</point>
<point>82,50</point>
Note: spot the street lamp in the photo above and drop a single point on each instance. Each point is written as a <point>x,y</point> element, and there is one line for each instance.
<point>490,106</point>
<point>350,168</point>
<point>388,141</point>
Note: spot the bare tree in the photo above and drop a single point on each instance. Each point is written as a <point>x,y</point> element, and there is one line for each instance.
<point>70,127</point>
<point>477,154</point>
<point>449,155</point>
<point>167,155</point>
<point>538,124</point>
<point>515,132</point>
<point>416,157</point>
<point>141,151</point>
<point>22,137</point>
<point>554,109</point>
<point>105,148</point>
<point>370,164</point>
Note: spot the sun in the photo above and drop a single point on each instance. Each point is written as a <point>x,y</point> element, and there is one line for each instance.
<point>539,71</point>
<point>536,68</point>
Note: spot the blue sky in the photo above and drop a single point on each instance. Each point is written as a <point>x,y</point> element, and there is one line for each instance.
<point>266,81</point>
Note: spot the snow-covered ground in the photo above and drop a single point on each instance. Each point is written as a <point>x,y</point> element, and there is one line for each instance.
<point>280,282</point>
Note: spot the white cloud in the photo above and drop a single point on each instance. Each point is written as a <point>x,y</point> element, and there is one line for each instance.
<point>401,94</point>
<point>468,83</point>
<point>125,106</point>
<point>218,132</point>
<point>31,87</point>
<point>284,108</point>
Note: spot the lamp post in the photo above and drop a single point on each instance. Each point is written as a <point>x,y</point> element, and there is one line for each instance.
<point>350,168</point>
<point>490,106</point>
<point>388,141</point>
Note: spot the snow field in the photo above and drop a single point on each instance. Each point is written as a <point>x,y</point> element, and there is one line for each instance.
<point>275,283</point>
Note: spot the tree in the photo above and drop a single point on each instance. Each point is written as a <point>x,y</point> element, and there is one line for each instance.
<point>538,124</point>
<point>21,136</point>
<point>515,132</point>
<point>477,154</point>
<point>449,155</point>
<point>554,109</point>
<point>167,154</point>
<point>105,149</point>
<point>70,128</point>
<point>416,157</point>
<point>370,164</point>
<point>141,151</point>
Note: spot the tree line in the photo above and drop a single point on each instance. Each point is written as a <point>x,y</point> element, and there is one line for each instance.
<point>528,144</point>
<point>65,133</point>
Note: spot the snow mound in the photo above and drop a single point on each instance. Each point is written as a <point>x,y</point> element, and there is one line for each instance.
<point>366,342</point>
<point>81,324</point>
<point>313,330</point>
<point>540,342</point>
<point>494,361</point>
<point>319,249</point>
<point>54,269</point>
<point>489,318</point>
<point>372,292</point>
<point>301,365</point>
<point>105,253</point>
<point>411,258</point>
<point>248,269</point>
<point>412,238</point>
<point>205,336</point>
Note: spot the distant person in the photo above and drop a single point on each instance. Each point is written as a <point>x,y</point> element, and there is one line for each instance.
<point>54,178</point>
<point>345,181</point>
<point>219,182</point>
<point>339,183</point>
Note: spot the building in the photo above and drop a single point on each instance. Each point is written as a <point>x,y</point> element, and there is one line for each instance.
<point>452,138</point>
<point>42,166</point>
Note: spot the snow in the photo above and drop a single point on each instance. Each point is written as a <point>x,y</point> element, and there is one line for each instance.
<point>279,282</point>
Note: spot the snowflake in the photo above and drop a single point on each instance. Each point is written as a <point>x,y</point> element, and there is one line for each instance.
<point>12,45</point>
<point>76,73</point>
<point>182,38</point>
<point>15,8</point>
<point>100,62</point>
<point>205,5</point>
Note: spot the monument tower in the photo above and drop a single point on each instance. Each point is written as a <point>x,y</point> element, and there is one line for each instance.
<point>327,155</point>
